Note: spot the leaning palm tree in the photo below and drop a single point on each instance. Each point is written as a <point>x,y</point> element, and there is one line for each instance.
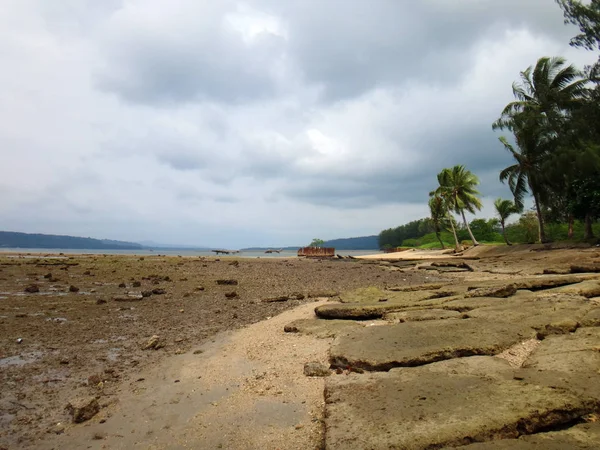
<point>547,90</point>
<point>545,98</point>
<point>504,209</point>
<point>534,148</point>
<point>457,186</point>
<point>526,175</point>
<point>439,213</point>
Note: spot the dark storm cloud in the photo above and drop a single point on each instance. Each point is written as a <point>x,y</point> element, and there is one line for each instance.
<point>346,47</point>
<point>350,47</point>
<point>172,121</point>
<point>177,59</point>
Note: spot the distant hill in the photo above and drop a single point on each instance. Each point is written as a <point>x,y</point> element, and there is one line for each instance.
<point>10,239</point>
<point>355,243</point>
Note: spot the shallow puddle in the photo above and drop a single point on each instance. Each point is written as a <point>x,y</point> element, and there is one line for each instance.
<point>20,360</point>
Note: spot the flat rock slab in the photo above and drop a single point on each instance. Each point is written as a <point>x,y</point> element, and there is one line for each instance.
<point>469,304</point>
<point>547,313</point>
<point>549,281</point>
<point>496,291</point>
<point>417,287</point>
<point>587,288</point>
<point>416,343</point>
<point>592,318</point>
<point>423,314</point>
<point>355,311</point>
<point>580,437</point>
<point>373,294</point>
<point>535,283</point>
<point>569,362</point>
<point>321,328</point>
<point>421,408</point>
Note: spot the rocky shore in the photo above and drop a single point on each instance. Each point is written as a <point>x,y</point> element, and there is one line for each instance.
<point>497,349</point>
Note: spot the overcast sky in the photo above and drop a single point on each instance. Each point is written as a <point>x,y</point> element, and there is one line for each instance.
<point>259,122</point>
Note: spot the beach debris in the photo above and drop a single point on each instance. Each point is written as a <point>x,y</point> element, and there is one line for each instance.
<point>128,298</point>
<point>94,380</point>
<point>316,369</point>
<point>82,409</point>
<point>154,343</point>
<point>59,428</point>
<point>32,289</point>
<point>199,288</point>
<point>19,341</point>
<point>230,282</point>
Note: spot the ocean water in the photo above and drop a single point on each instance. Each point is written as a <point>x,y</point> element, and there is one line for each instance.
<point>171,252</point>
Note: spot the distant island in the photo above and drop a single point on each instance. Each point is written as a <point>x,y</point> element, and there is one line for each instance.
<point>353,243</point>
<point>10,239</point>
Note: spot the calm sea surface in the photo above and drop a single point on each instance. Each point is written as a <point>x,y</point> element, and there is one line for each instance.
<point>169,252</point>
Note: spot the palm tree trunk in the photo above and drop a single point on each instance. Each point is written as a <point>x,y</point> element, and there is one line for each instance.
<point>542,231</point>
<point>437,234</point>
<point>504,233</point>
<point>571,231</point>
<point>588,231</point>
<point>475,243</point>
<point>457,245</point>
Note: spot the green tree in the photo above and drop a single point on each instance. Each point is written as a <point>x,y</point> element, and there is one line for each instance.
<point>317,243</point>
<point>485,230</point>
<point>439,213</point>
<point>587,18</point>
<point>457,186</point>
<point>545,97</point>
<point>504,209</point>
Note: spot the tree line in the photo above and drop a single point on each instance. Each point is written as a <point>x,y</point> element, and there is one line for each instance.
<point>553,128</point>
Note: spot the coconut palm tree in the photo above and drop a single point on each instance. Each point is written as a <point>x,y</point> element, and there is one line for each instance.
<point>504,209</point>
<point>526,175</point>
<point>549,90</point>
<point>545,98</point>
<point>457,186</point>
<point>439,214</point>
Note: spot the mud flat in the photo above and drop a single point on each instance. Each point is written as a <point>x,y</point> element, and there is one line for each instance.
<point>81,327</point>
